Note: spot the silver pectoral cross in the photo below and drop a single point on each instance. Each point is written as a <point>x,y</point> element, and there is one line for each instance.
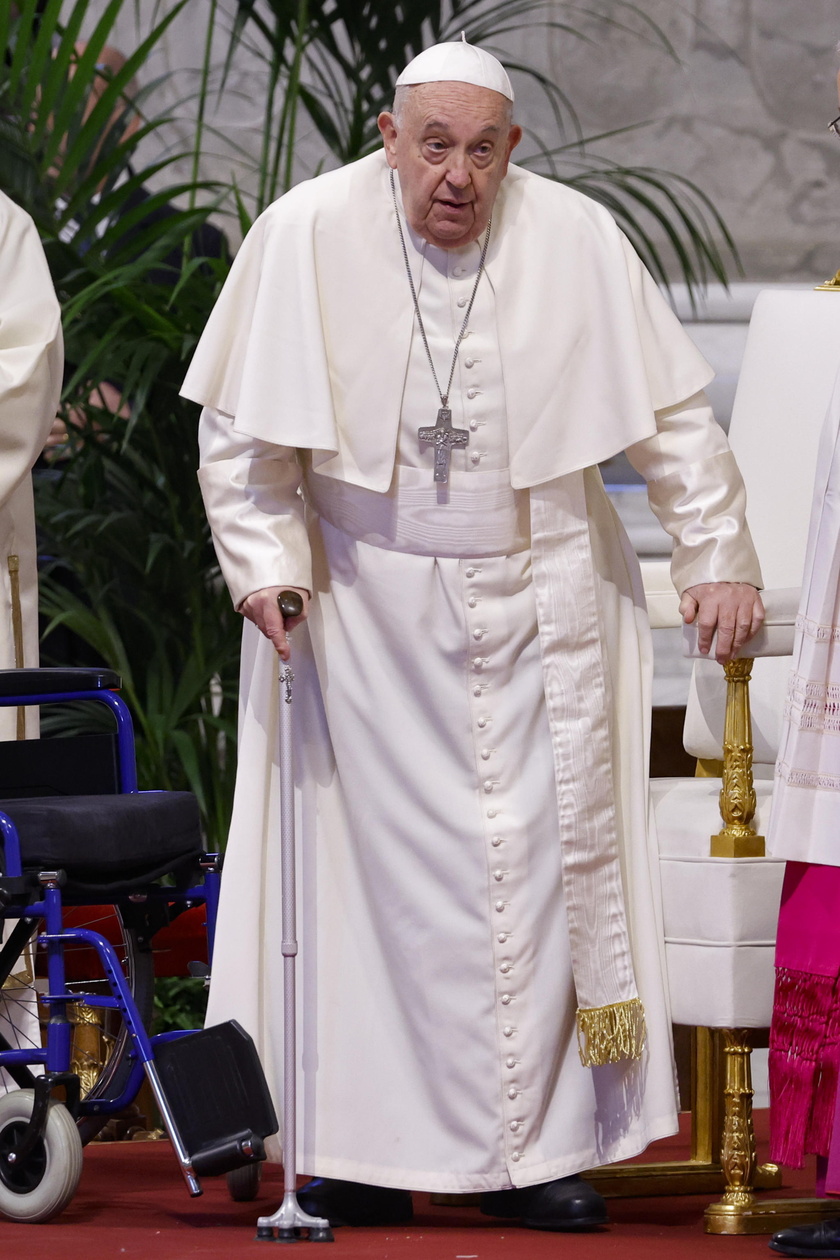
<point>444,438</point>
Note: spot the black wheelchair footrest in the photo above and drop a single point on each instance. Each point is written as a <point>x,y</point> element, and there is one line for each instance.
<point>229,1153</point>
<point>215,1086</point>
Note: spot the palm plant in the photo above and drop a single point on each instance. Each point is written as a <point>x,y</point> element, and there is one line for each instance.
<point>131,569</point>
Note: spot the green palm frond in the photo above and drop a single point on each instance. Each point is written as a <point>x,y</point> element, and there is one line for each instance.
<point>651,205</point>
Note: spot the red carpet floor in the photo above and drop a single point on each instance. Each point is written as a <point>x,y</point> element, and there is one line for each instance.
<point>132,1205</point>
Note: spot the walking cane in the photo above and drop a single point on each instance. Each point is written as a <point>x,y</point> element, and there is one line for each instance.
<point>290,1222</point>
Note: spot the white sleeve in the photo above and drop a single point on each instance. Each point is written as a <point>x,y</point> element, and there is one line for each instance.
<point>698,495</point>
<point>250,490</point>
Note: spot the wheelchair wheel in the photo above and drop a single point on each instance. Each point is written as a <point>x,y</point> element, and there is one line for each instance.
<point>101,1042</point>
<point>244,1183</point>
<point>42,1185</point>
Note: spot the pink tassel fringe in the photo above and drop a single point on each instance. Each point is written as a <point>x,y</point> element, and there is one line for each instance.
<point>804,1053</point>
<point>818,1138</point>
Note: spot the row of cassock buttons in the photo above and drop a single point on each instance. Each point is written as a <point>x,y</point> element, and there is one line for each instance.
<point>489,785</point>
<point>473,391</point>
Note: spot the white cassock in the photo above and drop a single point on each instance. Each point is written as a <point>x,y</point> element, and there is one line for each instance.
<point>30,385</point>
<point>467,654</point>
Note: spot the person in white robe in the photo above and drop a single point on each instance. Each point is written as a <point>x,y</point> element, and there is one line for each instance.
<point>31,361</point>
<point>483,1003</point>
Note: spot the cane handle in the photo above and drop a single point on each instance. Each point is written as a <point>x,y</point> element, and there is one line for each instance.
<point>290,604</point>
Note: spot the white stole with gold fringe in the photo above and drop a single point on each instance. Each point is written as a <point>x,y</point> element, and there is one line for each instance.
<point>610,1016</point>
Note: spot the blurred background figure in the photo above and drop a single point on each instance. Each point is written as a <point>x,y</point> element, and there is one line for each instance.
<point>30,383</point>
<point>136,213</point>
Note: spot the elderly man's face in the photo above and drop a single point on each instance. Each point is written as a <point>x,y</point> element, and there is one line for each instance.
<point>451,149</point>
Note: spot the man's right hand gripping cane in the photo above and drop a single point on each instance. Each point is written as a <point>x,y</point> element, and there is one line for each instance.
<point>262,608</point>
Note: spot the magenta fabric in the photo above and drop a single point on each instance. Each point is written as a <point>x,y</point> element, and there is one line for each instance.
<point>809,920</point>
<point>805,1032</point>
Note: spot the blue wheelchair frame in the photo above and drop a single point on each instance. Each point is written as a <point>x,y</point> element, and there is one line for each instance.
<point>55,1056</point>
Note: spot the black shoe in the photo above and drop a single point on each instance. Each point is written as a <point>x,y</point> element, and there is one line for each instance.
<point>822,1239</point>
<point>353,1203</point>
<point>565,1204</point>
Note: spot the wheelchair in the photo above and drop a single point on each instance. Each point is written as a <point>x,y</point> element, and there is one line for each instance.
<point>86,881</point>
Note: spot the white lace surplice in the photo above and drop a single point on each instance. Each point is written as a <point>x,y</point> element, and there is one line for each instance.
<point>805,820</point>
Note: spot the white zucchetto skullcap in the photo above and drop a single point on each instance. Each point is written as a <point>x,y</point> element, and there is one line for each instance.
<point>457,62</point>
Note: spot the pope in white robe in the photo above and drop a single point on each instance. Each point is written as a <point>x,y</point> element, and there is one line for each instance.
<point>483,1000</point>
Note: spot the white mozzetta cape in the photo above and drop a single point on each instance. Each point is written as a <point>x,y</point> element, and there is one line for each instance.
<point>300,347</point>
<point>30,384</point>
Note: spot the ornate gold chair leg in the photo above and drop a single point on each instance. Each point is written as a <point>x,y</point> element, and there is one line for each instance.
<point>737,793</point>
<point>737,1155</point>
<point>738,1211</point>
<point>89,1052</point>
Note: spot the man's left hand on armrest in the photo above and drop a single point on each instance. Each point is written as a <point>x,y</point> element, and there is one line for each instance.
<point>732,609</point>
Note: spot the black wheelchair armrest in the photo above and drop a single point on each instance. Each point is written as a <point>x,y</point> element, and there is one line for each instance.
<point>44,682</point>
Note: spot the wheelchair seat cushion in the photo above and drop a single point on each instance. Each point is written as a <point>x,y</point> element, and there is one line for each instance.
<point>108,843</point>
<point>48,681</point>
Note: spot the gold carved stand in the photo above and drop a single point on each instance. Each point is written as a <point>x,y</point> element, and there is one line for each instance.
<point>738,1211</point>
<point>722,1133</point>
<point>723,1137</point>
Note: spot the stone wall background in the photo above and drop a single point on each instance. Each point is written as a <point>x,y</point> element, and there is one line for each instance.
<point>744,115</point>
<point>741,109</point>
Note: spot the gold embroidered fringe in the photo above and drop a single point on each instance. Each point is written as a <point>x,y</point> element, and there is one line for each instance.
<point>607,1034</point>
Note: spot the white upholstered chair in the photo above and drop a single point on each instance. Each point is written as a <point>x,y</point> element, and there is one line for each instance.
<point>721,897</point>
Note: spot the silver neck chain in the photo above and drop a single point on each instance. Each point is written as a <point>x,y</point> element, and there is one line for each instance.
<point>444,397</point>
